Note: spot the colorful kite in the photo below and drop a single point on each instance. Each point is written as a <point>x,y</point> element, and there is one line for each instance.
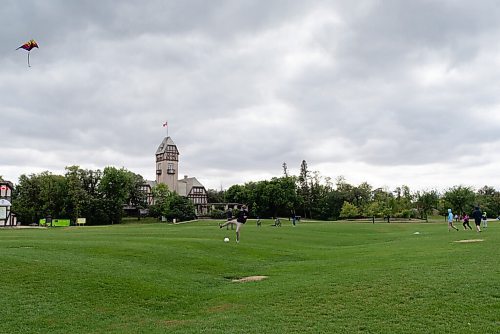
<point>28,46</point>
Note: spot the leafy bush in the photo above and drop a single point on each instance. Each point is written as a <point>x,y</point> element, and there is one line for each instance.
<point>217,214</point>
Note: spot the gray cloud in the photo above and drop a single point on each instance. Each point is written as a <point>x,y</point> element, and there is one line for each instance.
<point>382,91</point>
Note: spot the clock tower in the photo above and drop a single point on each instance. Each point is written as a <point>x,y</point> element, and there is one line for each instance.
<point>167,164</point>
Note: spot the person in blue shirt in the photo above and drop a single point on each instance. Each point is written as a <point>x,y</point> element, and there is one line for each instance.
<point>450,221</point>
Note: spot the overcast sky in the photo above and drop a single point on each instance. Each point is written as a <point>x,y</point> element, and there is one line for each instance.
<point>388,92</point>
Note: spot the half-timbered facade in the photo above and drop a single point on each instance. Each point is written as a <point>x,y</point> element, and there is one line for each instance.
<point>191,188</point>
<point>167,164</point>
<point>147,189</point>
<point>7,217</point>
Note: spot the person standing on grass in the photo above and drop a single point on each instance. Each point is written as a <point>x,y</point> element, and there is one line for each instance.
<point>450,221</point>
<point>240,220</point>
<point>466,221</point>
<point>478,215</point>
<point>229,215</point>
<point>485,220</point>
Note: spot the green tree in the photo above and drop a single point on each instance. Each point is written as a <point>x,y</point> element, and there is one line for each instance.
<point>426,202</point>
<point>349,210</point>
<point>403,202</point>
<point>489,200</point>
<point>375,209</point>
<point>39,195</point>
<point>304,190</point>
<point>160,198</point>
<point>460,199</point>
<point>345,189</point>
<point>329,206</point>
<point>78,197</point>
<point>25,203</point>
<point>281,195</point>
<point>215,196</point>
<point>237,194</point>
<point>136,197</point>
<point>94,210</point>
<point>170,205</point>
<point>383,203</point>
<point>179,208</point>
<point>316,191</point>
<point>115,188</point>
<point>360,195</point>
<point>285,169</point>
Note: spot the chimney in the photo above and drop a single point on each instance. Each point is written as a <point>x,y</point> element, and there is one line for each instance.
<point>185,177</point>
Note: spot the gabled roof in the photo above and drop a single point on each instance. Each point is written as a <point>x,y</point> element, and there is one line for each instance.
<point>167,141</point>
<point>186,184</point>
<point>7,183</point>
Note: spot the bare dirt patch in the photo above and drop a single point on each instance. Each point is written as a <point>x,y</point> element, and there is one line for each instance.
<point>470,240</point>
<point>249,279</point>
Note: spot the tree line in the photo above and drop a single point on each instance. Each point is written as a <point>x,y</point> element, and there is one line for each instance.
<point>99,196</point>
<point>309,195</point>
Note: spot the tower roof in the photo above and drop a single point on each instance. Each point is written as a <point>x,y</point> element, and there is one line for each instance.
<point>167,141</point>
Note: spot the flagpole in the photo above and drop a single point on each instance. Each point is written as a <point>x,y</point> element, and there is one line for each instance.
<point>165,125</point>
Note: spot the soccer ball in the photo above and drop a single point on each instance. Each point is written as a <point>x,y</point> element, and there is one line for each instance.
<point>226,239</point>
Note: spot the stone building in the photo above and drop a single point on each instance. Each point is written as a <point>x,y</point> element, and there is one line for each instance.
<point>167,172</point>
<point>167,164</point>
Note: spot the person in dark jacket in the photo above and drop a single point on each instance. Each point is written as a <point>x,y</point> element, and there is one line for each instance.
<point>229,215</point>
<point>241,219</point>
<point>477,215</point>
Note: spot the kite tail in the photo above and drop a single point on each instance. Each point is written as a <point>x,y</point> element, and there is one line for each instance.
<point>29,60</point>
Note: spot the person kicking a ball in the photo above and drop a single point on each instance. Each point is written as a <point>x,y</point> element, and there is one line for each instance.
<point>241,219</point>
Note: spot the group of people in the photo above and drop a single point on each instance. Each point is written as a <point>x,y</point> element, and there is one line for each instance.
<point>477,214</point>
<point>241,219</point>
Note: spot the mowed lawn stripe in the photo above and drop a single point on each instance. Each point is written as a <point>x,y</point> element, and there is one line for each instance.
<point>323,277</point>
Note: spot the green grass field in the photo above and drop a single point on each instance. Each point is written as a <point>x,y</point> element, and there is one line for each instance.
<point>323,277</point>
